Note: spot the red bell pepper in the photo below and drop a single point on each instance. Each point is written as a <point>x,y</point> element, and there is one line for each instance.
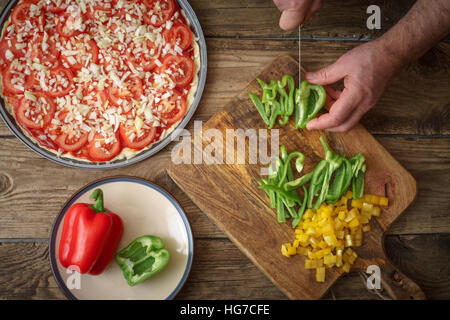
<point>90,236</point>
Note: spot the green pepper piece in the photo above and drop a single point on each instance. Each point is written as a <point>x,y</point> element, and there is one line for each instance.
<point>298,165</point>
<point>297,183</point>
<point>297,108</point>
<point>316,101</point>
<point>286,99</point>
<point>340,183</point>
<point>142,258</point>
<point>281,216</point>
<point>275,112</point>
<point>269,90</point>
<point>300,212</point>
<point>302,109</point>
<point>280,191</point>
<point>358,183</point>
<point>259,106</point>
<point>317,178</point>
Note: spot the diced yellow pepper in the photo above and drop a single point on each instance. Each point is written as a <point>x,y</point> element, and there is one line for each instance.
<point>357,203</point>
<point>320,274</point>
<point>366,228</point>
<point>291,250</point>
<point>284,251</point>
<point>376,211</point>
<point>296,243</point>
<point>384,201</point>
<point>310,264</point>
<point>346,267</point>
<point>354,223</point>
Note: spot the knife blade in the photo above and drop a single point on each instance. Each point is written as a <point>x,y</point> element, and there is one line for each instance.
<point>299,54</point>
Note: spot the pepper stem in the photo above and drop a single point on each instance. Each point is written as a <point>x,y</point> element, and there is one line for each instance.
<point>97,195</point>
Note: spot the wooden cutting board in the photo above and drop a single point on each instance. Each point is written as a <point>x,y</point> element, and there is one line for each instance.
<point>229,195</point>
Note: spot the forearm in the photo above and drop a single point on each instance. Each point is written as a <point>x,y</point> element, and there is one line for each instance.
<point>426,23</point>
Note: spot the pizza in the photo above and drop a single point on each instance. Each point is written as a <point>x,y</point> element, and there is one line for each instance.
<point>98,80</point>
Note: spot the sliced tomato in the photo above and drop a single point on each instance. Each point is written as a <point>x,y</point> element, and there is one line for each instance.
<point>3,47</point>
<point>10,82</point>
<point>71,144</point>
<point>175,108</point>
<point>86,51</point>
<point>35,114</point>
<point>48,56</point>
<point>182,68</point>
<point>67,22</point>
<point>100,151</point>
<point>22,13</point>
<point>181,35</point>
<point>158,17</point>
<point>64,85</point>
<point>97,11</point>
<point>134,89</point>
<point>133,140</point>
<point>55,6</point>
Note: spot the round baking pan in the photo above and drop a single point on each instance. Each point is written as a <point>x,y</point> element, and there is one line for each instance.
<point>17,131</point>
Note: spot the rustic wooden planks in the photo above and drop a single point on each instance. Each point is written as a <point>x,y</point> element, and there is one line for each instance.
<point>259,18</point>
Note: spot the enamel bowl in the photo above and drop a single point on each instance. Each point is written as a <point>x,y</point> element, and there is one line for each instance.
<point>145,209</point>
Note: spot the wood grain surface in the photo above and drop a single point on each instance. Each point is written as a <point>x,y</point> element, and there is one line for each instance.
<point>411,121</point>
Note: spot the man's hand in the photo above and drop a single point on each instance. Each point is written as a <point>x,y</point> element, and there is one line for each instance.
<point>366,70</point>
<point>296,12</point>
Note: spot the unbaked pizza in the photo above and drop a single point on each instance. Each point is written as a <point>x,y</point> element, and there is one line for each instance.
<point>98,80</point>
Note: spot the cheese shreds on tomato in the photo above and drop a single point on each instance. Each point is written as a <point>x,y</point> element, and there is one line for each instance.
<point>90,78</point>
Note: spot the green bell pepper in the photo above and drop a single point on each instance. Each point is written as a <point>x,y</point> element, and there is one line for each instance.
<point>142,258</point>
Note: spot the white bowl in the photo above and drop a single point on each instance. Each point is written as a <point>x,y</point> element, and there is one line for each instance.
<point>145,209</point>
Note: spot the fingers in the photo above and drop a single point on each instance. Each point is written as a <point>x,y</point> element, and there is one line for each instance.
<point>339,112</point>
<point>294,14</point>
<point>351,121</point>
<point>327,75</point>
<point>291,19</point>
<point>315,6</point>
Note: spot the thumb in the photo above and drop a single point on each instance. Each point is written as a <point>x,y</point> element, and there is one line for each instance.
<point>327,75</point>
<point>291,19</point>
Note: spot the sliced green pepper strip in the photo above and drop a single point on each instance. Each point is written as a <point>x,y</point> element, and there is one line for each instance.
<point>281,214</point>
<point>298,165</point>
<point>284,155</point>
<point>269,90</point>
<point>316,179</point>
<point>297,108</point>
<point>278,190</point>
<point>317,103</point>
<point>291,210</point>
<point>300,212</point>
<point>275,112</point>
<point>142,258</point>
<point>259,106</point>
<point>289,98</point>
<point>302,109</point>
<point>297,183</point>
<point>358,183</point>
<point>340,183</point>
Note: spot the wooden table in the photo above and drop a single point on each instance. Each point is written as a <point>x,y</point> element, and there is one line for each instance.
<point>412,120</point>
